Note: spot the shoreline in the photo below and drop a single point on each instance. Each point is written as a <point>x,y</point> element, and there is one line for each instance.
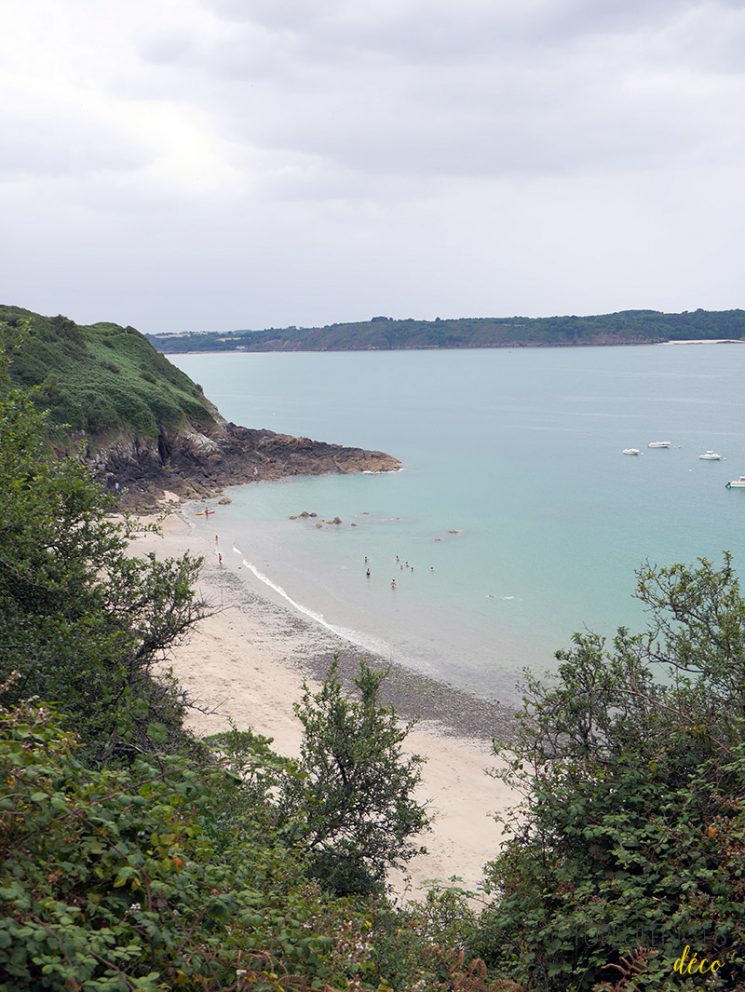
<point>248,660</point>
<point>414,695</point>
<point>466,347</point>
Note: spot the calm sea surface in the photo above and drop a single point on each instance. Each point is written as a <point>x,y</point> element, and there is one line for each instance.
<point>520,451</point>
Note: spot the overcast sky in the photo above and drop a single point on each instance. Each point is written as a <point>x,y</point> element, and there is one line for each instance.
<point>215,164</point>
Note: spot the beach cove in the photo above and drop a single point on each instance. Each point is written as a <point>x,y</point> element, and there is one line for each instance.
<point>247,661</point>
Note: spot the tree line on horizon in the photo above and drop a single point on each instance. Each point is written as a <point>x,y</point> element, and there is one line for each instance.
<point>390,334</point>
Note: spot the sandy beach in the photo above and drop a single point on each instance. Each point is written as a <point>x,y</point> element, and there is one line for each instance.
<point>247,661</point>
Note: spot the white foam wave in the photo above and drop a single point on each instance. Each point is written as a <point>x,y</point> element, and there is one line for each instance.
<point>361,640</point>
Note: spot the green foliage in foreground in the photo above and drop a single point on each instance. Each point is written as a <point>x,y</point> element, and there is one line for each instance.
<point>83,624</point>
<point>170,876</point>
<point>355,787</point>
<point>633,826</point>
<point>385,334</point>
<point>101,379</point>
<point>348,802</point>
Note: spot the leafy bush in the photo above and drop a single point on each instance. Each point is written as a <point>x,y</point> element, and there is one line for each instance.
<point>355,787</point>
<point>128,879</point>
<point>82,623</point>
<point>633,827</point>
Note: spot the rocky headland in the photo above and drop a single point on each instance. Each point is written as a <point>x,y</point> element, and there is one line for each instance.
<point>141,424</point>
<point>195,463</point>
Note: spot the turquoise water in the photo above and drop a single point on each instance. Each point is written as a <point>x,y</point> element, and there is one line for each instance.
<point>520,450</point>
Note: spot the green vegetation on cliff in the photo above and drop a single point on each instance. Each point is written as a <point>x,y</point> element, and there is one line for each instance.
<point>101,379</point>
<point>387,334</point>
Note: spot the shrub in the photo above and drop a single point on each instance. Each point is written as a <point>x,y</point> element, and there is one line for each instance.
<point>82,622</point>
<point>633,825</point>
<point>355,787</point>
<point>128,879</point>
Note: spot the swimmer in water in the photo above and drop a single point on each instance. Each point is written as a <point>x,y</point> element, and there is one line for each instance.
<point>366,559</point>
<point>397,559</point>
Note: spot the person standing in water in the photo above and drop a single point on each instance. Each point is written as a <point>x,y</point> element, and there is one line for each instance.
<point>393,583</point>
<point>367,573</point>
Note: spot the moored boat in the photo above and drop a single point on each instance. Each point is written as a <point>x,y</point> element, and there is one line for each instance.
<point>630,451</point>
<point>710,456</point>
<point>659,444</point>
<point>736,483</point>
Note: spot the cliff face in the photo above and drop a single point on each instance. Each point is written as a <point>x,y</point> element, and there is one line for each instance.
<point>193,464</point>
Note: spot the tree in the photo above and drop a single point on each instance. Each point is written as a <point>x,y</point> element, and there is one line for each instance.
<point>83,625</point>
<point>353,804</point>
<point>633,769</point>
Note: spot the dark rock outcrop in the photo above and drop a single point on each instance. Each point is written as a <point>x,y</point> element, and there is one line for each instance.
<point>194,464</point>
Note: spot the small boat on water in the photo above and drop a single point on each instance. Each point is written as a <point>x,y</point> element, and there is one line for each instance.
<point>659,444</point>
<point>710,456</point>
<point>736,483</point>
<point>630,451</point>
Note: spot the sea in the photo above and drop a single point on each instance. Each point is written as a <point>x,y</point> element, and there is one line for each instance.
<point>515,520</point>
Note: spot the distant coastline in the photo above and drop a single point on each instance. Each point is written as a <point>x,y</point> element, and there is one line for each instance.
<point>627,327</point>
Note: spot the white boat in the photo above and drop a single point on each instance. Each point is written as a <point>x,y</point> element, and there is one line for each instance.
<point>710,456</point>
<point>659,444</point>
<point>736,483</point>
<point>630,451</point>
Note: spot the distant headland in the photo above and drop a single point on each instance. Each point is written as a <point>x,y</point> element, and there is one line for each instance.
<point>392,334</point>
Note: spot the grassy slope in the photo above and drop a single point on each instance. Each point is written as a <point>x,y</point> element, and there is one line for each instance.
<point>628,326</point>
<point>102,379</point>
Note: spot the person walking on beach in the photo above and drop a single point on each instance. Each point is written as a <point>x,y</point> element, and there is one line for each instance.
<point>219,560</point>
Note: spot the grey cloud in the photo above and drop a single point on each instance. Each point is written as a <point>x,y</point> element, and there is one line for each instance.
<point>442,30</point>
<point>473,88</point>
